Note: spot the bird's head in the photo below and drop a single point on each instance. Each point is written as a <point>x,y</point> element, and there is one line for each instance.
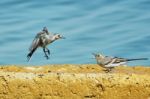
<point>58,36</point>
<point>98,55</point>
<point>99,58</point>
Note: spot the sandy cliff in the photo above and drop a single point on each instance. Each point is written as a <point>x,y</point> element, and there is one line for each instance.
<point>74,82</point>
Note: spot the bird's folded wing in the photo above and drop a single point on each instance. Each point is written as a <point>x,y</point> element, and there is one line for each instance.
<point>113,60</point>
<point>118,60</point>
<point>107,60</point>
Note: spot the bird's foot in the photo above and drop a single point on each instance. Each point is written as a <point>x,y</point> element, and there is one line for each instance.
<point>107,70</point>
<point>46,57</point>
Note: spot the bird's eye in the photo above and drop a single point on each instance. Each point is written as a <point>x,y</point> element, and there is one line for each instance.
<point>59,36</point>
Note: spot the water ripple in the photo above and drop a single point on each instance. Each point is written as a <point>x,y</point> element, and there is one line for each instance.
<point>119,28</point>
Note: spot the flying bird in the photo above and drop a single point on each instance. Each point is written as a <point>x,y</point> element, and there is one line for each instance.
<point>110,62</point>
<point>43,39</point>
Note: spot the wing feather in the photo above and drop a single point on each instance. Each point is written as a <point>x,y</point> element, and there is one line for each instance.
<point>34,44</point>
<point>36,41</point>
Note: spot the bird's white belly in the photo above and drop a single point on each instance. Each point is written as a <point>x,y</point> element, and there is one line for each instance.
<point>115,64</point>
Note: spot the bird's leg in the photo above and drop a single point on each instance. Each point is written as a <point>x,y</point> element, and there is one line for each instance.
<point>45,53</point>
<point>48,51</point>
<point>108,69</point>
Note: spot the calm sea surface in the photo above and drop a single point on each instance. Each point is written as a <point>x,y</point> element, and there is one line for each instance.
<point>112,27</point>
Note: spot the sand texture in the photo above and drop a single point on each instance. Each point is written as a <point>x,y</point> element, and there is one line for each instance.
<point>87,81</point>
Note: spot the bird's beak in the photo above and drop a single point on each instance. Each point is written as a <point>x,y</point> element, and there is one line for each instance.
<point>63,37</point>
<point>94,54</point>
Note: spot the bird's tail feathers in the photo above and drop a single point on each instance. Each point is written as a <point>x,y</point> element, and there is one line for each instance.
<point>137,59</point>
<point>30,54</point>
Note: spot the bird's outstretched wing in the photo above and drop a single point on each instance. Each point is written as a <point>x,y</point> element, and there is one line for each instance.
<point>45,30</point>
<point>37,40</point>
<point>35,44</point>
<point>33,48</point>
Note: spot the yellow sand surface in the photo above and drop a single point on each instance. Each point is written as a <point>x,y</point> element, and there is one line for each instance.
<point>69,81</point>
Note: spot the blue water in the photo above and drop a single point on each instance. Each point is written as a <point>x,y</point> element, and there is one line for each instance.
<point>112,27</point>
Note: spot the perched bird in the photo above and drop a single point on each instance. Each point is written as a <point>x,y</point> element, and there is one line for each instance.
<point>42,39</point>
<point>110,62</point>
